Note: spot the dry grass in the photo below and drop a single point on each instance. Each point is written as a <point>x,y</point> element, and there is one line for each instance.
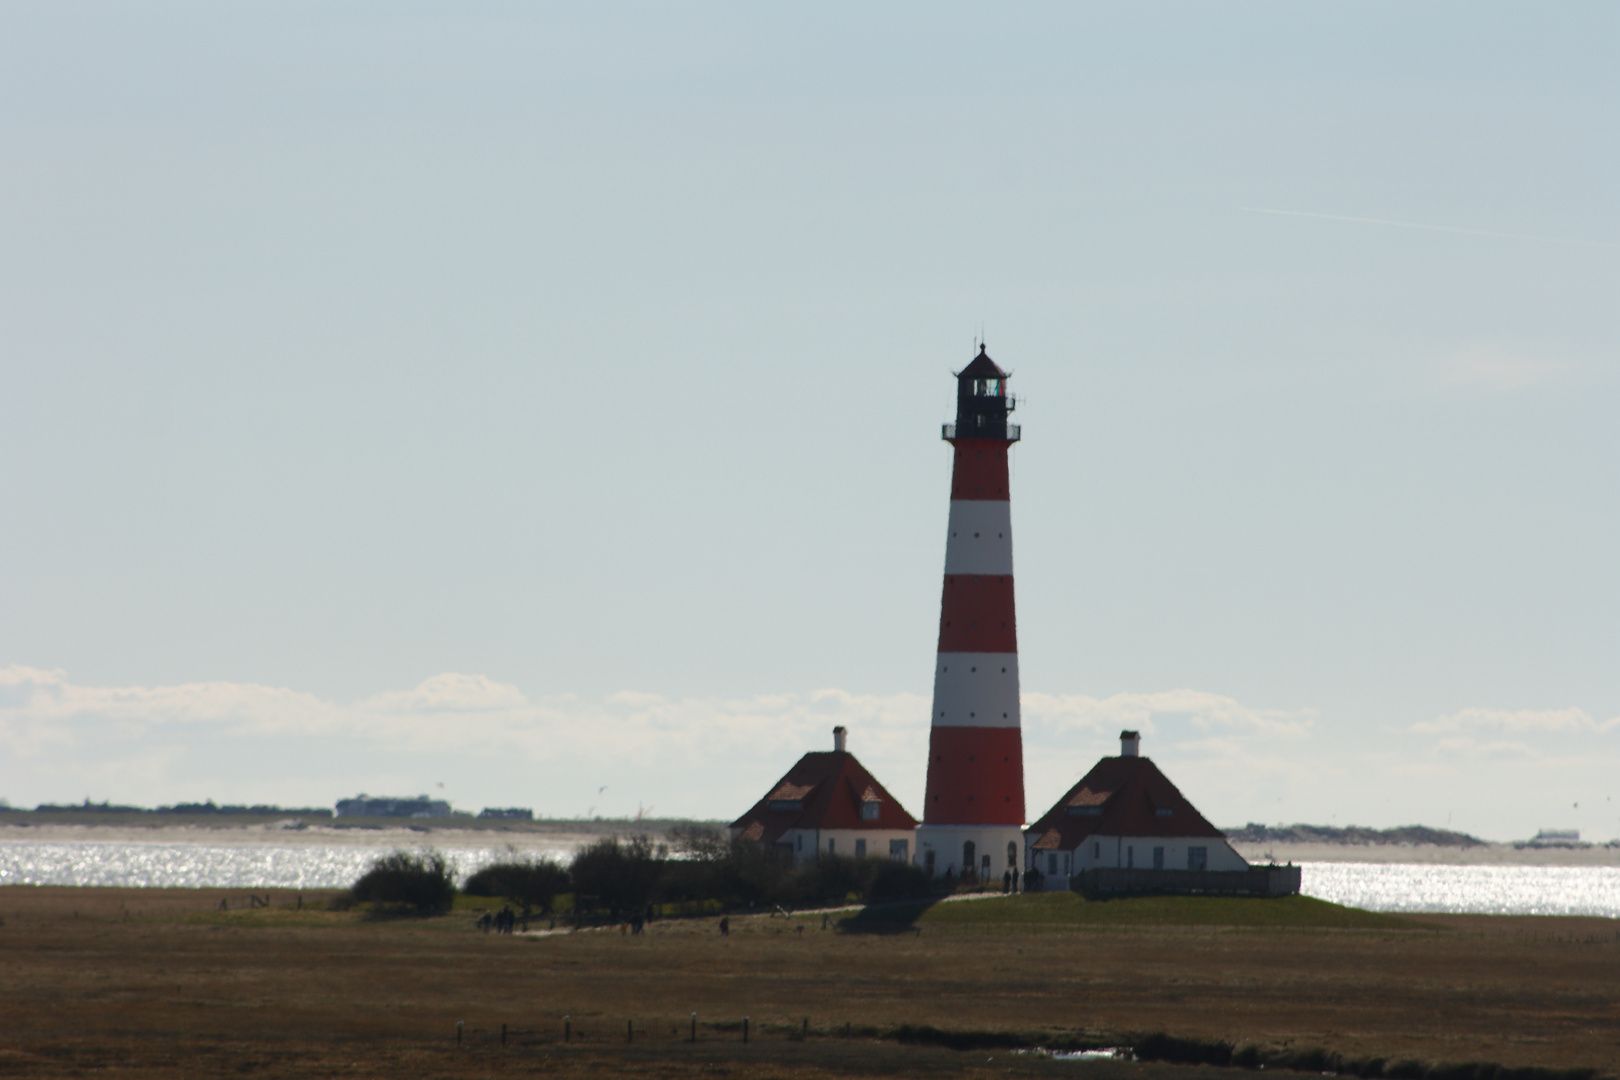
<point>160,983</point>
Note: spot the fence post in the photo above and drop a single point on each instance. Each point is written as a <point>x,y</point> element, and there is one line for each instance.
<point>503,1034</point>
<point>629,1031</point>
<point>745,1029</point>
<point>458,1031</point>
<point>807,1027</point>
<point>694,1027</point>
<point>568,1028</point>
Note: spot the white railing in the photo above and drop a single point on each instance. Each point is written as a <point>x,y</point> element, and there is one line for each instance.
<point>948,431</point>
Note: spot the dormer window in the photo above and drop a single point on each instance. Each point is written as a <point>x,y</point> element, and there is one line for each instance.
<point>869,811</point>
<point>788,797</point>
<point>1087,803</point>
<point>1163,811</point>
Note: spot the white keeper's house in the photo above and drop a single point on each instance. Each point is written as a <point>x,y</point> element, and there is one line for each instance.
<point>1125,814</point>
<point>828,804</point>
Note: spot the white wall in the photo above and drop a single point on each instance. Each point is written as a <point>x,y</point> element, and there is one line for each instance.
<point>808,843</point>
<point>843,842</point>
<point>946,843</point>
<point>1137,851</point>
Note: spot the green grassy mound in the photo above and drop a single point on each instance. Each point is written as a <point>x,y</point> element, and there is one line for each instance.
<point>1064,909</point>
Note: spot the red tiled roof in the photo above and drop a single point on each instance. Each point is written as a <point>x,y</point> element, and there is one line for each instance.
<point>1130,792</point>
<point>829,788</point>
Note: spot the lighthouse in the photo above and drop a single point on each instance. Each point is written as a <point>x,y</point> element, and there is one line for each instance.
<point>973,813</point>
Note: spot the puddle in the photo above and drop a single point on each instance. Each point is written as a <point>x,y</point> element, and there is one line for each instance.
<point>1104,1053</point>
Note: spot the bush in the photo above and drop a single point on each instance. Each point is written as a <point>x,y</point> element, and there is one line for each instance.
<point>898,881</point>
<point>423,880</point>
<point>621,875</point>
<point>528,883</point>
<point>710,866</point>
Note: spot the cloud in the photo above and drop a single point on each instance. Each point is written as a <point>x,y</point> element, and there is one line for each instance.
<point>489,744</point>
<point>1060,713</point>
<point>1541,721</point>
<point>1473,748</point>
<point>695,755</point>
<point>1496,369</point>
<point>450,693</point>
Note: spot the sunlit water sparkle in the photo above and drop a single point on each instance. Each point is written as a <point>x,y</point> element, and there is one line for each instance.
<point>1479,890</point>
<point>201,866</point>
<point>1489,889</point>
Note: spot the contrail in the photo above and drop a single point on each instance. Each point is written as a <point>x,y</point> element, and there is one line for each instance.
<point>1430,228</point>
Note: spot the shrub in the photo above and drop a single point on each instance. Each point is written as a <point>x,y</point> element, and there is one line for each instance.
<point>528,883</point>
<point>423,880</point>
<point>898,881</point>
<point>621,875</point>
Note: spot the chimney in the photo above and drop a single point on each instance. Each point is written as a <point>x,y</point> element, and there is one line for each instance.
<point>1130,744</point>
<point>839,733</point>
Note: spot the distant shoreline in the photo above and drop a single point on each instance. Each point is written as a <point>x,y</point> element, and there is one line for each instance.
<point>293,830</point>
<point>1435,854</point>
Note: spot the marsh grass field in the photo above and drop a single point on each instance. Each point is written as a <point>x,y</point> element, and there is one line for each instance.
<point>162,983</point>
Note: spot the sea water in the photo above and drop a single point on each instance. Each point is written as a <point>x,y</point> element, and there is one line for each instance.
<point>1496,889</point>
<point>1489,889</point>
<point>201,866</point>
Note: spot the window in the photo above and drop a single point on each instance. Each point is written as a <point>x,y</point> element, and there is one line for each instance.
<point>785,804</point>
<point>832,846</point>
<point>1198,858</point>
<point>1067,856</point>
<point>967,855</point>
<point>800,844</point>
<point>1096,849</point>
<point>928,860</point>
<point>1130,857</point>
<point>899,850</point>
<point>1163,811</point>
<point>1012,855</point>
<point>860,848</point>
<point>869,810</point>
<point>1158,858</point>
<point>1051,862</point>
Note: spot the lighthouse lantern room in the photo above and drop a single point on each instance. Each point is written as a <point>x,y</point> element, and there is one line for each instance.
<point>973,814</point>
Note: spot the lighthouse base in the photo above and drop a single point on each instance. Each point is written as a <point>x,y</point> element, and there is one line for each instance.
<point>994,850</point>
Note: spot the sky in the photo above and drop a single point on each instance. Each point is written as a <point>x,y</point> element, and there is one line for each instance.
<point>538,404</point>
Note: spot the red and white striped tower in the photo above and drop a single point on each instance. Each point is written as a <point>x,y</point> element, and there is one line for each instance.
<point>973,813</point>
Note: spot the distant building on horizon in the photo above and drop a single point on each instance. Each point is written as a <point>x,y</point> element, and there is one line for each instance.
<point>511,813</point>
<point>392,806</point>
<point>828,804</point>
